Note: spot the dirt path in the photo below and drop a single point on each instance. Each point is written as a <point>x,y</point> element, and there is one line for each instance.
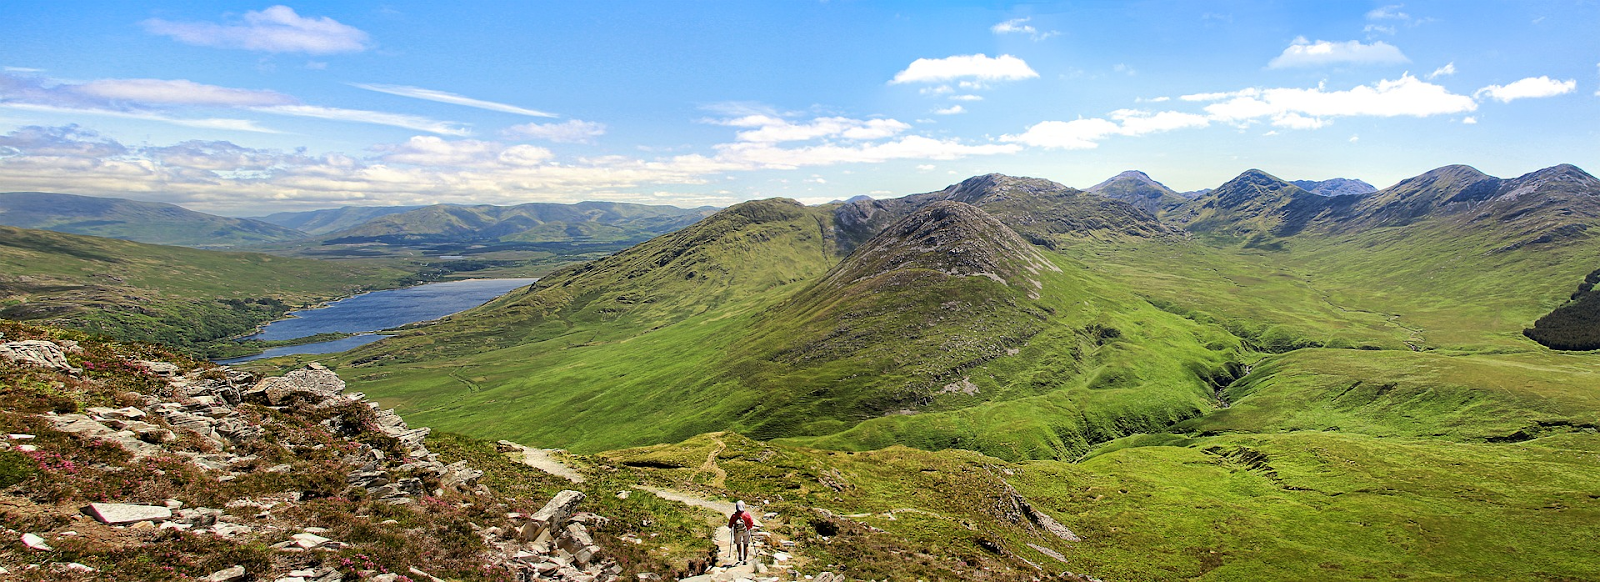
<point>719,477</point>
<point>544,460</point>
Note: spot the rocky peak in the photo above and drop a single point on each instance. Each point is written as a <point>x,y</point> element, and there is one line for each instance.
<point>978,190</point>
<point>1251,185</point>
<point>1560,176</point>
<point>954,238</point>
<point>1131,177</point>
<point>1336,187</point>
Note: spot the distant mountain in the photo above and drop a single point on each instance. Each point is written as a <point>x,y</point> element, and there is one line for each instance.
<point>317,222</point>
<point>147,222</point>
<point>536,222</point>
<point>1041,211</point>
<point>1138,189</point>
<point>1257,203</point>
<point>1335,186</point>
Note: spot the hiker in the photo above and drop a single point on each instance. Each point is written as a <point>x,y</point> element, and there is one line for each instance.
<point>739,526</point>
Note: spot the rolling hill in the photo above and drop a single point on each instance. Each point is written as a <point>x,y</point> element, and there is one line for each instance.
<point>147,222</point>
<point>189,299</point>
<point>319,222</point>
<point>536,222</point>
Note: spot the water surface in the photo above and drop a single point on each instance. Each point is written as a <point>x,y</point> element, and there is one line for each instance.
<point>375,311</point>
<point>380,310</point>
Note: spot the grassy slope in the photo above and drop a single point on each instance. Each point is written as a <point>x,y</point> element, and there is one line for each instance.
<point>624,352</point>
<point>179,296</point>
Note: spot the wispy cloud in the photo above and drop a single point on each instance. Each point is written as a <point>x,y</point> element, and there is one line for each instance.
<point>1445,71</point>
<point>1304,53</point>
<point>572,131</point>
<point>978,66</point>
<point>951,110</point>
<point>402,120</point>
<point>773,129</point>
<point>178,92</point>
<point>200,122</point>
<point>277,29</point>
<point>452,98</point>
<point>1021,26</point>
<point>1287,108</point>
<point>1529,88</point>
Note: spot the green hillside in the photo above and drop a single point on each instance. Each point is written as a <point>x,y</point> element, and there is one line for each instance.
<point>147,222</point>
<point>186,298</point>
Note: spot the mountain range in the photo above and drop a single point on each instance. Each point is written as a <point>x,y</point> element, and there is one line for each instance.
<point>149,222</point>
<point>1258,382</point>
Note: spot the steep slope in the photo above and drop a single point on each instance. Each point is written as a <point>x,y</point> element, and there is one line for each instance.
<point>537,222</point>
<point>1138,189</point>
<point>1043,212</point>
<point>147,222</point>
<point>318,222</point>
<point>187,298</point>
<point>1335,187</point>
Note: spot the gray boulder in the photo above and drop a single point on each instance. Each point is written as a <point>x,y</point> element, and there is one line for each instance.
<point>37,353</point>
<point>125,513</point>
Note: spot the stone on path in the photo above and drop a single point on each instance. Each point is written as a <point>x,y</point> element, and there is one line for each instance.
<point>124,513</point>
<point>234,574</point>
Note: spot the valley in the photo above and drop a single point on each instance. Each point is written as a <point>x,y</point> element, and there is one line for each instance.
<point>1258,382</point>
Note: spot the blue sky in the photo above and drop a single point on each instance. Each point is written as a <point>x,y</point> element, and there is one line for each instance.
<point>243,108</point>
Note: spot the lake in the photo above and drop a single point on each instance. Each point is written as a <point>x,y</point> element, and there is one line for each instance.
<point>375,311</point>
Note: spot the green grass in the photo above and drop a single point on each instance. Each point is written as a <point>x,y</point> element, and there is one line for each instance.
<point>186,298</point>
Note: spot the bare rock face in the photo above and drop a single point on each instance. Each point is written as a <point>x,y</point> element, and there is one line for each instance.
<point>314,380</point>
<point>38,353</point>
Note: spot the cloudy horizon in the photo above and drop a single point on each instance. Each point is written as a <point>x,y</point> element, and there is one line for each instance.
<point>276,107</point>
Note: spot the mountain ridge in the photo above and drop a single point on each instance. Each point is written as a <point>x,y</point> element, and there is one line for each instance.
<point>147,222</point>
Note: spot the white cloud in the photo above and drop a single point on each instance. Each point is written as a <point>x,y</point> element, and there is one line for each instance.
<point>966,97</point>
<point>1445,71</point>
<point>401,120</point>
<point>1531,87</point>
<point>1082,134</point>
<point>925,167</point>
<point>451,98</point>
<point>21,70</point>
<point>951,110</point>
<point>1355,138</point>
<point>773,129</point>
<point>1303,53</point>
<point>758,155</point>
<point>1078,134</point>
<point>1151,99</point>
<point>1406,96</point>
<point>1370,28</point>
<point>979,66</point>
<point>1021,26</point>
<point>178,92</point>
<point>572,131</point>
<point>277,29</point>
<point>1469,120</point>
<point>434,151</point>
<point>936,90</point>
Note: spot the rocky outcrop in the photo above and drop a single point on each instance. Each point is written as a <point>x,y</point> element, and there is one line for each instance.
<point>223,412</point>
<point>38,353</point>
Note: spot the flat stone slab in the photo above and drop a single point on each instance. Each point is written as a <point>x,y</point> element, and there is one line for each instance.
<point>124,513</point>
